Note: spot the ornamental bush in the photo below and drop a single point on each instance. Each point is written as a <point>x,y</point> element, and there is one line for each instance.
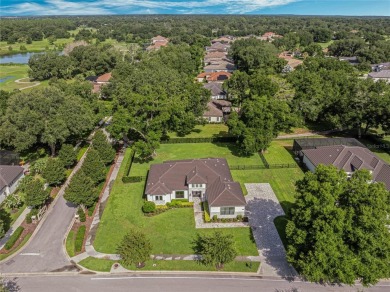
<point>149,207</point>
<point>13,238</point>
<point>81,214</point>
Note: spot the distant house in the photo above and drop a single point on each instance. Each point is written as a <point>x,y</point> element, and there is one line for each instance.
<point>10,176</point>
<point>345,157</point>
<point>351,60</point>
<point>291,61</point>
<point>99,81</point>
<point>157,43</point>
<point>223,39</point>
<point>226,66</point>
<point>220,76</point>
<point>217,92</point>
<point>206,179</point>
<point>380,75</point>
<point>213,114</point>
<point>218,47</point>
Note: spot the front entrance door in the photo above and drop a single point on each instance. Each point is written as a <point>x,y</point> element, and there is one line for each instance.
<point>197,194</point>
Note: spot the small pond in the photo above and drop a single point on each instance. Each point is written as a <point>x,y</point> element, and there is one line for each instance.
<point>20,58</point>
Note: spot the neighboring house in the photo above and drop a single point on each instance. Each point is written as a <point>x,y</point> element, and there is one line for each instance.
<point>218,47</point>
<point>291,61</point>
<point>10,176</point>
<point>224,105</point>
<point>216,89</point>
<point>213,114</point>
<point>351,60</point>
<point>223,39</point>
<point>381,75</point>
<point>380,67</point>
<point>347,158</point>
<point>99,81</point>
<point>208,179</point>
<point>220,76</point>
<point>158,42</point>
<point>220,66</point>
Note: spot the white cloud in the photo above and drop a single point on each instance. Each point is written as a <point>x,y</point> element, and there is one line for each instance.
<point>64,7</point>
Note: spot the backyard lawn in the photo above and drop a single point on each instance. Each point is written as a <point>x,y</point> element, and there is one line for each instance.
<point>172,232</point>
<point>279,152</point>
<point>206,131</point>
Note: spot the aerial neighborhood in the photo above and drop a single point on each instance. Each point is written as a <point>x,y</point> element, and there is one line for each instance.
<point>240,147</point>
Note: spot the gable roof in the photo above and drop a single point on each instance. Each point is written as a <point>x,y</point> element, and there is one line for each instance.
<point>212,111</point>
<point>222,65</point>
<point>219,76</point>
<point>8,174</point>
<point>172,176</point>
<point>350,159</point>
<point>215,88</point>
<point>104,78</point>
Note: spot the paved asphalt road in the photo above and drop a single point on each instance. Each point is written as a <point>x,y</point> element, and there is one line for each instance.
<point>171,283</point>
<point>45,252</point>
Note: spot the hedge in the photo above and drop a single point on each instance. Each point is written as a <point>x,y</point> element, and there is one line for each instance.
<point>200,140</point>
<point>13,238</point>
<point>78,243</point>
<point>132,179</point>
<point>129,163</point>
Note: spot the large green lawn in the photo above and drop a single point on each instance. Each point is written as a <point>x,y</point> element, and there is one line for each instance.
<point>279,152</point>
<point>206,131</point>
<point>172,232</point>
<point>197,150</point>
<point>16,72</point>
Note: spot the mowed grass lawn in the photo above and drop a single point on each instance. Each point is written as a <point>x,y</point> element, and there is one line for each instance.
<point>206,131</point>
<point>279,152</point>
<point>12,73</point>
<point>172,232</point>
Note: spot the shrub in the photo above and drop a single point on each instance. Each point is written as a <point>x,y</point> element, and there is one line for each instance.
<point>206,216</point>
<point>179,200</point>
<point>132,179</point>
<point>13,201</point>
<point>239,217</point>
<point>149,207</point>
<point>13,238</point>
<point>215,218</point>
<point>91,209</point>
<point>78,243</point>
<point>33,212</point>
<point>81,214</point>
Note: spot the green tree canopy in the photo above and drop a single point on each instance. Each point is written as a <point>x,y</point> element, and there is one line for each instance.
<point>103,147</point>
<point>67,155</point>
<point>135,248</point>
<point>54,172</point>
<point>44,116</point>
<point>81,190</point>
<point>337,231</point>
<point>216,248</point>
<point>93,167</point>
<point>36,195</point>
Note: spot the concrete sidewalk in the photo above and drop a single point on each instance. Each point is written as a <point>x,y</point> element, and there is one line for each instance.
<point>16,224</point>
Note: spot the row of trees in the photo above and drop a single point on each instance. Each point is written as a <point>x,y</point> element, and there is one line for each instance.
<point>86,60</point>
<point>338,230</point>
<point>82,189</point>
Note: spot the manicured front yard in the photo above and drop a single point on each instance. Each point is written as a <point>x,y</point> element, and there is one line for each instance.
<point>206,131</point>
<point>103,265</point>
<point>172,232</point>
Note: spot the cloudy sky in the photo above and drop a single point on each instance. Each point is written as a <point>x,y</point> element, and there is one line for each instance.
<point>92,7</point>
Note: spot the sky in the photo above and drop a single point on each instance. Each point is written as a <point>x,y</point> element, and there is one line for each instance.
<point>95,7</point>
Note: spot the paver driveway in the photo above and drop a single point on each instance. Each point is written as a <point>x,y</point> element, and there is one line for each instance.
<point>262,208</point>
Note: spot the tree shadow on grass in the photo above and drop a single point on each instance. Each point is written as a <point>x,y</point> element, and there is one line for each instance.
<point>233,148</point>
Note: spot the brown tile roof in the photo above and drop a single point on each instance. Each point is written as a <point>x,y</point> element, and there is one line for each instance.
<point>170,176</point>
<point>160,38</point>
<point>219,76</point>
<point>350,158</point>
<point>8,174</point>
<point>203,75</point>
<point>104,78</point>
<point>212,111</point>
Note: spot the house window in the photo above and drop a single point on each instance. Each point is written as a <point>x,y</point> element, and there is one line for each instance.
<point>158,198</point>
<point>227,210</point>
<point>197,185</point>
<point>179,194</point>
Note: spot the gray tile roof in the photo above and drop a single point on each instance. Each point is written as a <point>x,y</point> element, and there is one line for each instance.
<point>215,88</point>
<point>212,111</point>
<point>350,159</point>
<point>8,174</point>
<point>380,74</point>
<point>221,190</point>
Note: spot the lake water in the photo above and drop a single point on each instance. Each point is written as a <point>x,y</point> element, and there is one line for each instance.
<point>4,79</point>
<point>21,58</point>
